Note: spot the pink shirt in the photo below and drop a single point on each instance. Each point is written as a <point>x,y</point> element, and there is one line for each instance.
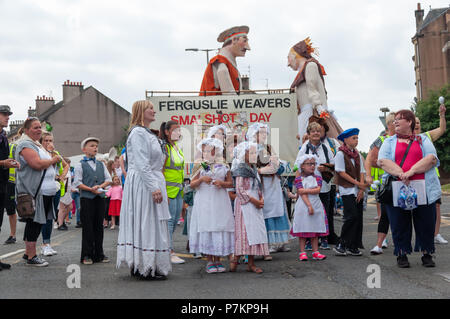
<point>115,192</point>
<point>414,155</point>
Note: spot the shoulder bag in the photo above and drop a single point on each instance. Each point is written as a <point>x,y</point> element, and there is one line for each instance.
<point>26,203</point>
<point>384,193</point>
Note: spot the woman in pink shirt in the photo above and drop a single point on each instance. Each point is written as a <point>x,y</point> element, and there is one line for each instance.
<point>115,193</point>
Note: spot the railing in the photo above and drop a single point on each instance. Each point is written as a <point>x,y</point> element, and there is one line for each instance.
<point>197,93</point>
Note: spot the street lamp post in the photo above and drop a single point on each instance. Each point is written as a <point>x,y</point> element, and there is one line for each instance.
<point>383,118</point>
<point>205,50</point>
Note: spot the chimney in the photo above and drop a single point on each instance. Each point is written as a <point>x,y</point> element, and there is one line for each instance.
<point>43,103</point>
<point>14,126</point>
<point>71,90</point>
<point>32,112</point>
<point>419,17</point>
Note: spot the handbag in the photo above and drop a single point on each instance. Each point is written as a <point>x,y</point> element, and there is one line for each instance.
<point>384,194</point>
<point>26,203</point>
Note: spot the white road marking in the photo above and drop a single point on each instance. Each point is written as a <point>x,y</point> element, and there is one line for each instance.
<point>12,253</point>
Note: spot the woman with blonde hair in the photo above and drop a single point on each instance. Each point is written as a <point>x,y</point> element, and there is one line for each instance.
<point>143,243</point>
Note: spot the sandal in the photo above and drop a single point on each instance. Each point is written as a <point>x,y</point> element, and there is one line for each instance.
<point>267,258</point>
<point>255,269</point>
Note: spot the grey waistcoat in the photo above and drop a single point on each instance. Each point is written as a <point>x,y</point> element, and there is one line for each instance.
<point>91,178</point>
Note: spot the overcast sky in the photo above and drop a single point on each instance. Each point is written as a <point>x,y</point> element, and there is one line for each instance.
<point>123,48</point>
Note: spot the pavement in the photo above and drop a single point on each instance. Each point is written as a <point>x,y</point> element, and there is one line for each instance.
<point>365,277</point>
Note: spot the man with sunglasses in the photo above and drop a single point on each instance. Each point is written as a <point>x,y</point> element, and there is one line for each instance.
<point>5,164</point>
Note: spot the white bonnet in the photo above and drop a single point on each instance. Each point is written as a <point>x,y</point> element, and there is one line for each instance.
<point>241,148</point>
<point>213,130</point>
<point>254,128</point>
<point>211,141</point>
<point>305,157</point>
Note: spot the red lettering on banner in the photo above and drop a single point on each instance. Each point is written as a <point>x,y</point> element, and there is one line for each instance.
<point>261,117</point>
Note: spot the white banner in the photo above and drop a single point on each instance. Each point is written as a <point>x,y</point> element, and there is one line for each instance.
<point>196,114</point>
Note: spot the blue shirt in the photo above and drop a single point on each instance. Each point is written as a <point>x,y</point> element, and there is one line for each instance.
<point>433,185</point>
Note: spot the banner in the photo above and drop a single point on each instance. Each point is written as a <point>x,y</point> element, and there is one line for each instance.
<point>196,114</point>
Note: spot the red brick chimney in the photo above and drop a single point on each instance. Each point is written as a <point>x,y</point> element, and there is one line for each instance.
<point>43,103</point>
<point>419,16</point>
<point>71,90</point>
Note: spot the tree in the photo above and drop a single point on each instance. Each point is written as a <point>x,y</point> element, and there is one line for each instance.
<point>428,113</point>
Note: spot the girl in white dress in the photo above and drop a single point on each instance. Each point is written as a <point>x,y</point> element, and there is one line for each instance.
<point>310,219</point>
<point>212,223</point>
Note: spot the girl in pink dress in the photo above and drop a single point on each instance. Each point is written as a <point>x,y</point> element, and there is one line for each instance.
<point>250,229</point>
<point>115,193</point>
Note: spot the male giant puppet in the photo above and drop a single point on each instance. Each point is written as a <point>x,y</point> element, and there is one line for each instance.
<point>310,88</point>
<point>222,75</point>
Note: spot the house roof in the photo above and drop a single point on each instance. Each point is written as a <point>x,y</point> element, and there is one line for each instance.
<point>44,116</point>
<point>432,15</point>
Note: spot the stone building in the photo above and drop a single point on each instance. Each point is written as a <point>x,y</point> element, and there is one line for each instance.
<point>82,112</point>
<point>431,50</point>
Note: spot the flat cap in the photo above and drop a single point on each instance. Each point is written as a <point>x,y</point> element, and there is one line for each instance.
<point>232,32</point>
<point>348,133</point>
<point>5,109</point>
<point>90,138</point>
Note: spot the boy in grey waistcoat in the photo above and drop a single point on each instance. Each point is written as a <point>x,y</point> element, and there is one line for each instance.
<point>91,178</point>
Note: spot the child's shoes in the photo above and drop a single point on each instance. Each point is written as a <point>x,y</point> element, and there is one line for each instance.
<point>318,256</point>
<point>211,268</point>
<point>303,257</point>
<point>220,267</point>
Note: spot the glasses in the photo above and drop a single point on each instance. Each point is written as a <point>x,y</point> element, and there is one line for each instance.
<point>310,164</point>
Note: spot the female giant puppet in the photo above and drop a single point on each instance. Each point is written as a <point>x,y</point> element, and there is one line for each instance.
<point>310,88</point>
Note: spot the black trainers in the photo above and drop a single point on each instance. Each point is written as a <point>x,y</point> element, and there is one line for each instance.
<point>10,240</point>
<point>37,262</point>
<point>354,252</point>
<point>340,250</point>
<point>78,225</point>
<point>402,261</point>
<point>4,266</point>
<point>427,261</point>
<point>63,227</point>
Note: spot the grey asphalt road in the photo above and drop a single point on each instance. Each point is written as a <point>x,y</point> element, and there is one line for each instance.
<point>284,277</point>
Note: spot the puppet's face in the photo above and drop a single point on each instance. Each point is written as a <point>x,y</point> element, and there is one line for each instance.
<point>240,46</point>
<point>292,61</point>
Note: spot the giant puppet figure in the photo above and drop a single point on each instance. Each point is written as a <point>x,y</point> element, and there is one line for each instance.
<point>221,74</point>
<point>309,85</point>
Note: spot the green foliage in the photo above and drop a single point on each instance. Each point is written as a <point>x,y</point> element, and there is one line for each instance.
<point>428,113</point>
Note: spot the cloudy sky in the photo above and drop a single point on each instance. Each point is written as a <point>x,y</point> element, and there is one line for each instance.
<point>123,48</point>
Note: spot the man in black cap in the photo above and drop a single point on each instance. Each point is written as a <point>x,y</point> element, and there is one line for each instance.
<point>5,164</point>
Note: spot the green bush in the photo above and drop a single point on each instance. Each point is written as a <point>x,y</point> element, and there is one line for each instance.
<point>428,113</point>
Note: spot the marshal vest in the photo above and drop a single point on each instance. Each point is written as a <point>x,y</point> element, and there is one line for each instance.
<point>12,171</point>
<point>208,83</point>
<point>376,172</point>
<point>60,171</point>
<point>174,171</point>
